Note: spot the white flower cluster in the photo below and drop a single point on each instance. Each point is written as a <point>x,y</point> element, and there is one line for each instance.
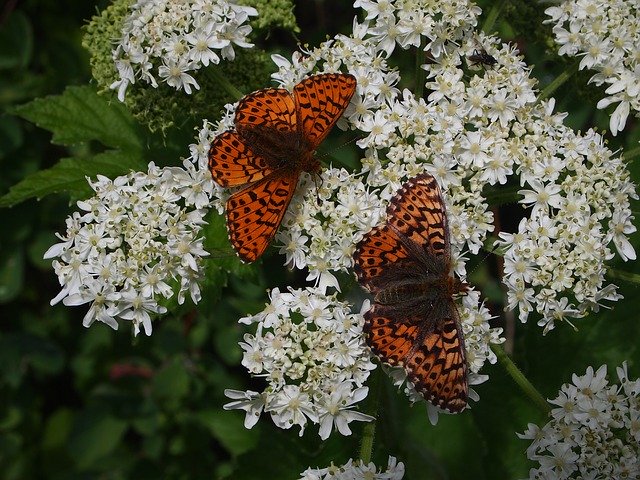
<point>580,198</point>
<point>594,431</point>
<point>136,238</point>
<point>356,471</point>
<point>166,39</point>
<point>605,34</point>
<point>474,132</point>
<point>310,349</point>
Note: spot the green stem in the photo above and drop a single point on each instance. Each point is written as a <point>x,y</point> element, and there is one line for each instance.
<point>491,18</point>
<point>558,81</point>
<point>369,429</point>
<point>224,83</point>
<point>631,154</point>
<point>622,275</point>
<point>518,377</point>
<point>419,76</point>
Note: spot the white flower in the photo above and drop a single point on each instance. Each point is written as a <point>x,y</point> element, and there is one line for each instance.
<point>592,433</point>
<point>167,39</point>
<point>138,233</point>
<point>173,72</point>
<point>249,401</point>
<point>356,470</point>
<point>334,412</point>
<point>310,349</point>
<point>605,34</point>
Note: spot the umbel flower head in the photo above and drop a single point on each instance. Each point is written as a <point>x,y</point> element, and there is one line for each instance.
<point>309,348</point>
<point>356,470</point>
<point>474,132</point>
<point>135,243</point>
<point>165,40</point>
<point>594,431</point>
<point>605,34</point>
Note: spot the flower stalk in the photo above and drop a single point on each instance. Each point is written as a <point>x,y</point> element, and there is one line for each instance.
<point>516,374</point>
<point>558,81</point>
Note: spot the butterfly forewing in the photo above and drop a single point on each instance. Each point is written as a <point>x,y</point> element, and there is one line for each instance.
<point>273,142</point>
<point>321,101</point>
<point>414,322</point>
<point>271,107</point>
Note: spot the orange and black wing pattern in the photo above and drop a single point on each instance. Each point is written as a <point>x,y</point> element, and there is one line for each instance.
<point>273,141</point>
<point>414,322</point>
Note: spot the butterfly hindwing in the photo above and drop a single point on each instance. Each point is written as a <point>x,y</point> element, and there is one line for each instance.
<point>418,212</point>
<point>254,213</point>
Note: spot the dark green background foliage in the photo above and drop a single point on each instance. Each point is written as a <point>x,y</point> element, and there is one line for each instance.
<point>93,403</point>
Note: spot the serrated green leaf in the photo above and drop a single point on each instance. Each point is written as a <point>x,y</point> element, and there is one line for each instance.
<point>80,115</point>
<point>69,176</point>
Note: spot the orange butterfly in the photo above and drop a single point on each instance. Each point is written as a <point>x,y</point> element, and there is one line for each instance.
<point>276,134</point>
<point>414,323</point>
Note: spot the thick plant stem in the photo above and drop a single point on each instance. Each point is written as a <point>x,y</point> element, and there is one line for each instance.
<point>366,446</point>
<point>558,81</point>
<point>631,153</point>
<point>491,18</point>
<point>420,60</point>
<point>224,83</point>
<point>518,377</point>
<point>622,275</point>
<point>369,429</point>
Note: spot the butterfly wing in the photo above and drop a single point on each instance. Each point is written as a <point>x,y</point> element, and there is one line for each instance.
<point>434,360</point>
<point>375,255</point>
<point>321,100</point>
<point>417,212</point>
<point>255,212</point>
<point>233,163</point>
<point>421,333</point>
<point>270,107</point>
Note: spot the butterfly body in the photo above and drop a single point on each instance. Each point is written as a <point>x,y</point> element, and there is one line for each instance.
<point>414,323</point>
<point>280,149</point>
<point>274,140</point>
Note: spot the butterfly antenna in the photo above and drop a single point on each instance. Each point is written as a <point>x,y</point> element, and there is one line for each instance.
<point>335,160</point>
<point>489,249</point>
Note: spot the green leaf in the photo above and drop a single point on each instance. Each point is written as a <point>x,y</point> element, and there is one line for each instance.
<point>69,176</point>
<point>95,436</point>
<point>11,275</point>
<point>172,382</point>
<point>10,135</point>
<point>57,429</point>
<point>227,428</point>
<point>16,42</point>
<point>80,115</point>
